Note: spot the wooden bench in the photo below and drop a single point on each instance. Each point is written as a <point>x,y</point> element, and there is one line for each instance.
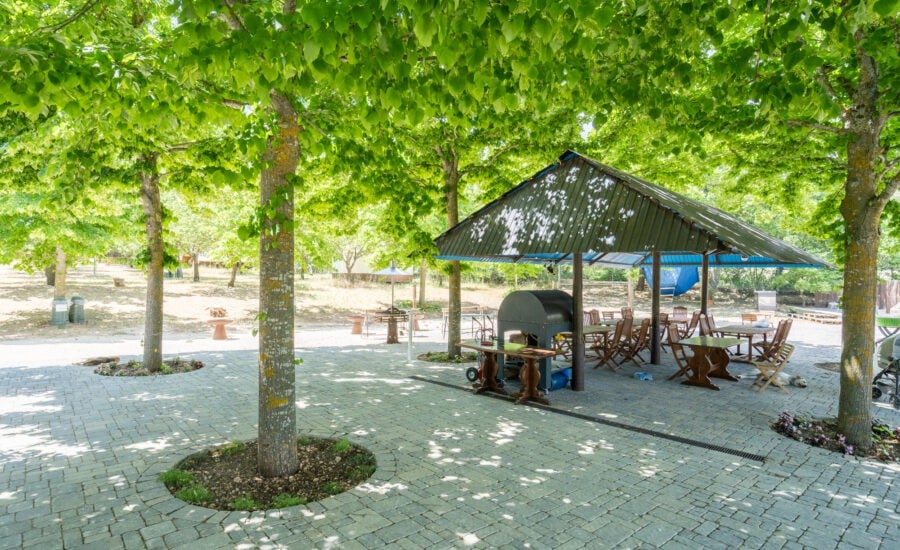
<point>816,315</point>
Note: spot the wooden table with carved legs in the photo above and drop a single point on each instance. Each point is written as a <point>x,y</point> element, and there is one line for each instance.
<point>530,375</point>
<point>709,359</point>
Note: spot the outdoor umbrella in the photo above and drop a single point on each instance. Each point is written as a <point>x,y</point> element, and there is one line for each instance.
<point>392,275</point>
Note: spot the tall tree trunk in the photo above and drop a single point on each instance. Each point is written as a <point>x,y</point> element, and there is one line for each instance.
<point>234,271</point>
<point>861,209</point>
<point>450,165</point>
<point>423,279</point>
<point>153,313</point>
<point>59,284</point>
<point>195,259</point>
<point>277,410</point>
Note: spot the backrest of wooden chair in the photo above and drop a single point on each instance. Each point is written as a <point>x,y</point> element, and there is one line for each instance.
<point>613,341</point>
<point>595,316</point>
<point>692,325</point>
<point>781,332</point>
<point>642,334</point>
<point>677,349</point>
<point>672,335</point>
<point>627,328</point>
<point>586,318</point>
<point>609,314</point>
<point>784,354</point>
<point>705,329</point>
<point>663,325</point>
<point>627,312</point>
<point>679,313</point>
<point>712,323</point>
<point>748,318</point>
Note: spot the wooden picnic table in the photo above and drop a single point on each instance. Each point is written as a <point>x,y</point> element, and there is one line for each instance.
<point>709,359</point>
<point>530,375</point>
<point>746,331</point>
<point>592,334</point>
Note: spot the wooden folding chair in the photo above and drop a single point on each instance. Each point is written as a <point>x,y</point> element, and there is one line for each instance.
<point>630,349</point>
<point>603,348</point>
<point>692,325</point>
<point>768,349</point>
<point>627,312</point>
<point>681,358</point>
<point>679,313</point>
<point>595,317</point>
<point>748,318</point>
<point>615,345</point>
<point>770,368</point>
<point>608,315</point>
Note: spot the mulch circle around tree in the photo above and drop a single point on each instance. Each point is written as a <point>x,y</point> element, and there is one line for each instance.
<point>227,477</point>
<point>136,368</point>
<point>823,432</point>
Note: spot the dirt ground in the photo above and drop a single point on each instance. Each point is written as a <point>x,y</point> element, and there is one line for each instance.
<point>110,311</point>
<point>26,300</point>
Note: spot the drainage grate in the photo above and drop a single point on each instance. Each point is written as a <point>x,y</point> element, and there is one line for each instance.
<point>620,425</point>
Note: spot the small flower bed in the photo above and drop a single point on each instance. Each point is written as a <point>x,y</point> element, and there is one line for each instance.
<point>823,433</point>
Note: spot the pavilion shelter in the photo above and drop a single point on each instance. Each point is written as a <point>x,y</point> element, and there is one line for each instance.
<point>581,211</point>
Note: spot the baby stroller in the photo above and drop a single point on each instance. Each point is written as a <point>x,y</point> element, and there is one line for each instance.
<point>886,383</point>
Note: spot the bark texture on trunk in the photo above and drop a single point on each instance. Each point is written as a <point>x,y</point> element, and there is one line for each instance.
<point>450,166</point>
<point>234,271</point>
<point>59,283</point>
<point>277,409</point>
<point>423,279</point>
<point>153,315</point>
<point>195,259</point>
<point>861,209</point>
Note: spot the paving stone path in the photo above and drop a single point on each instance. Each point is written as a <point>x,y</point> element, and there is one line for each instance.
<point>80,455</point>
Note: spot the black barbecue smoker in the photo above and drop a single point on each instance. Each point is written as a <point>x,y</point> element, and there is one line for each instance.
<point>540,315</point>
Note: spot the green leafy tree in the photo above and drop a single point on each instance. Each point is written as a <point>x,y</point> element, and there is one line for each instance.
<point>825,72</point>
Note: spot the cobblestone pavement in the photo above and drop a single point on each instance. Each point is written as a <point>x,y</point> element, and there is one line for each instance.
<point>81,454</point>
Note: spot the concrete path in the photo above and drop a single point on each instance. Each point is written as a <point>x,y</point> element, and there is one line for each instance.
<point>81,454</point>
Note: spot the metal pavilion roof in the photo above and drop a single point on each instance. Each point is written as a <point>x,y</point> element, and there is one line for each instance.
<point>615,220</point>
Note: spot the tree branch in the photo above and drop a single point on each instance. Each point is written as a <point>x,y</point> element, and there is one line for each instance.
<point>235,104</point>
<point>307,121</point>
<point>179,147</point>
<point>496,156</point>
<point>234,22</point>
<point>891,189</point>
<point>56,27</point>
<point>816,126</point>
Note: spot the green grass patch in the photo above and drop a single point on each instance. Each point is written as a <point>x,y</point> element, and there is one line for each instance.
<point>244,503</point>
<point>332,488</point>
<point>284,500</point>
<point>232,448</point>
<point>195,494</point>
<point>177,478</point>
<point>342,446</point>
